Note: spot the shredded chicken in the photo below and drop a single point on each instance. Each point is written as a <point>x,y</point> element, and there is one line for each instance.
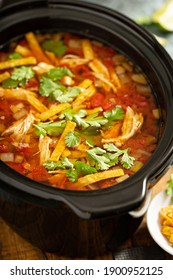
<point>44,148</point>
<point>102,78</point>
<point>73,60</point>
<point>132,122</point>
<point>42,68</point>
<point>19,129</point>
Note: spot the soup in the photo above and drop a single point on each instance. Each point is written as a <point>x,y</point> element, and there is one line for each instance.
<point>74,113</point>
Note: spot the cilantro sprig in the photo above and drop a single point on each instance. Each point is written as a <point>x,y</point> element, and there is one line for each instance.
<point>113,115</point>
<point>73,171</point>
<point>50,128</point>
<point>51,86</point>
<point>19,77</point>
<point>72,139</point>
<point>110,156</point>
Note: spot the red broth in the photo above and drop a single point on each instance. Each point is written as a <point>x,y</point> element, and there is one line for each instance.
<point>74,113</point>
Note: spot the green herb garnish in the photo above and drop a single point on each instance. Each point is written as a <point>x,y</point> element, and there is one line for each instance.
<point>50,128</point>
<point>57,47</point>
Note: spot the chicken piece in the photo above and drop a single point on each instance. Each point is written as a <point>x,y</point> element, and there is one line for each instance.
<point>73,60</point>
<point>19,129</point>
<point>42,68</point>
<point>132,123</point>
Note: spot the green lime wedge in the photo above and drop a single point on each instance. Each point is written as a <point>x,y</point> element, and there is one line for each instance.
<point>164,16</point>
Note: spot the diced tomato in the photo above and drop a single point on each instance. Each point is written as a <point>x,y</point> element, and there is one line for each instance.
<point>103,51</point>
<point>39,174</point>
<point>96,100</point>
<point>107,105</point>
<point>25,150</point>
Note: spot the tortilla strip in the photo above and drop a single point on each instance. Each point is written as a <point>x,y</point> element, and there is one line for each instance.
<point>17,62</point>
<point>60,147</point>
<point>87,49</point>
<point>36,103</point>
<point>53,111</point>
<point>93,178</point>
<point>35,48</point>
<point>19,94</point>
<point>23,50</point>
<point>4,76</point>
<point>83,96</point>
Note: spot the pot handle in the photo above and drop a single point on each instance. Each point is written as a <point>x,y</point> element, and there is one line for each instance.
<point>144,207</point>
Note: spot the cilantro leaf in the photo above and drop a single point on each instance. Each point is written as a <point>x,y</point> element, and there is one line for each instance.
<point>47,86</point>
<point>72,175</point>
<point>19,77</point>
<point>22,73</point>
<point>80,169</point>
<point>126,160</point>
<point>53,165</point>
<point>95,120</point>
<point>9,83</point>
<point>67,96</point>
<point>14,55</point>
<point>115,114</point>
<point>58,73</point>
<point>72,139</point>
<point>98,158</point>
<point>66,163</point>
<point>50,128</point>
<point>91,120</point>
<point>78,118</point>
<point>57,47</point>
<point>67,114</point>
<point>169,189</point>
<point>84,169</point>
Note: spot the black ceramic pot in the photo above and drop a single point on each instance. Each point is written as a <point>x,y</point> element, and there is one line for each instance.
<point>75,223</point>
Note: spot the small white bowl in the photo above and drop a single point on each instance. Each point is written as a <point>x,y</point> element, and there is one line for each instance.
<point>161,200</point>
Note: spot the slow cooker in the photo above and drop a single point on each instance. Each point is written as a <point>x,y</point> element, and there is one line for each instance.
<point>76,223</point>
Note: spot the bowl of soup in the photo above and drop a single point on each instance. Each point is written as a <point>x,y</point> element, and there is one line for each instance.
<point>85,123</point>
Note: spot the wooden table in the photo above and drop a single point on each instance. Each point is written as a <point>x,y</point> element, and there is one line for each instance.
<point>13,247</point>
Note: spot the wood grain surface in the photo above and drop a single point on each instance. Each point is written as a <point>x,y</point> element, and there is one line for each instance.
<point>13,247</point>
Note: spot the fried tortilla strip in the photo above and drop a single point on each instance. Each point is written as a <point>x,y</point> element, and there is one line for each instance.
<point>19,94</point>
<point>17,62</point>
<point>4,76</point>
<point>53,111</point>
<point>93,178</point>
<point>36,103</point>
<point>24,51</point>
<point>77,154</point>
<point>83,96</point>
<point>87,49</point>
<point>60,147</point>
<point>35,48</point>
